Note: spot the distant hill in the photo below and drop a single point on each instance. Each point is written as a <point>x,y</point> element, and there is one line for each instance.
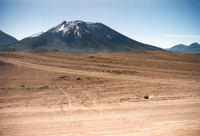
<point>192,48</point>
<point>80,37</point>
<point>177,48</point>
<point>6,39</point>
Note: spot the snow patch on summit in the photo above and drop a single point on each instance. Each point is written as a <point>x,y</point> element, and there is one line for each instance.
<point>62,28</point>
<point>65,27</point>
<point>68,27</point>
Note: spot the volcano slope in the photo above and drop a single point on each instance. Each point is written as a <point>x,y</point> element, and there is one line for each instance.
<point>52,93</point>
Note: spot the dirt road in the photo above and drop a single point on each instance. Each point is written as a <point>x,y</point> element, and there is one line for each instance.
<point>51,93</point>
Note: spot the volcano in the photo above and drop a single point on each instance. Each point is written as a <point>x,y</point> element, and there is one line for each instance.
<point>80,37</point>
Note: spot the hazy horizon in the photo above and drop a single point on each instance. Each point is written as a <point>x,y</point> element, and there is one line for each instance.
<point>162,23</point>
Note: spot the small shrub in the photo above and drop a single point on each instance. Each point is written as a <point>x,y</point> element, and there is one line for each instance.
<point>91,57</point>
<point>78,78</point>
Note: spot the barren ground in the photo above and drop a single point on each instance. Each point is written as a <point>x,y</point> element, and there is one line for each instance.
<point>52,93</point>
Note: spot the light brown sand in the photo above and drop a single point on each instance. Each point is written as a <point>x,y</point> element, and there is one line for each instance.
<point>52,93</point>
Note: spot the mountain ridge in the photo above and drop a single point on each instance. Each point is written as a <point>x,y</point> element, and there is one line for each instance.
<point>6,39</point>
<point>193,48</point>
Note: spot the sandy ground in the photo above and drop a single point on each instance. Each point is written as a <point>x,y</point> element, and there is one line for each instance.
<point>52,93</point>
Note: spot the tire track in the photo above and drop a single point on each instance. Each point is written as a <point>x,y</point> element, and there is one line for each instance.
<point>82,72</point>
<point>65,97</point>
<point>65,70</point>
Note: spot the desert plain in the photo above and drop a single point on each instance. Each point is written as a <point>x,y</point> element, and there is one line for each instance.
<point>60,94</point>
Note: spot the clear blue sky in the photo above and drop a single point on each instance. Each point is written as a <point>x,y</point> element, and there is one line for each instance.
<point>162,23</point>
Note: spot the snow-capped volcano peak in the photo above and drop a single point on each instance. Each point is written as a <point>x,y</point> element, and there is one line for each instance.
<point>76,27</point>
